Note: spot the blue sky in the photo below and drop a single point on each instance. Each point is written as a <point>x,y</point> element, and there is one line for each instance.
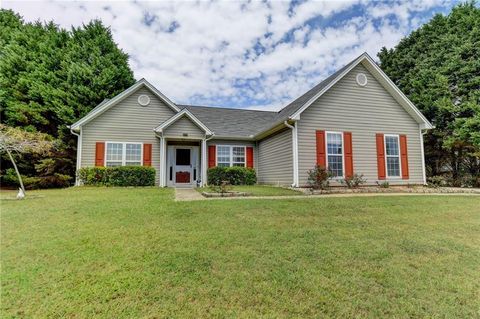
<point>256,54</point>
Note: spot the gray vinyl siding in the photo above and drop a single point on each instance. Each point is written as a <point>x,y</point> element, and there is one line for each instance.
<point>184,126</point>
<point>275,159</point>
<point>126,121</point>
<point>236,143</point>
<point>364,111</point>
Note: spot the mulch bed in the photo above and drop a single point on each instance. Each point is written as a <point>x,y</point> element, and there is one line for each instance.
<point>395,189</point>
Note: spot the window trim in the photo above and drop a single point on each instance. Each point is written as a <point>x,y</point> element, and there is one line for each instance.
<point>231,162</point>
<point>398,156</point>
<point>343,153</point>
<point>124,151</point>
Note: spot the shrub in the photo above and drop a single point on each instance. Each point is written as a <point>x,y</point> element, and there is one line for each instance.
<point>383,184</point>
<point>354,181</point>
<point>117,176</point>
<point>235,175</point>
<point>318,177</point>
<point>437,181</point>
<point>54,180</point>
<point>223,188</point>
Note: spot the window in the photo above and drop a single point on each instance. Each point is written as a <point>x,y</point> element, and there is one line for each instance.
<point>392,154</point>
<point>182,156</point>
<point>133,155</point>
<point>230,156</point>
<point>238,156</point>
<point>122,154</point>
<point>223,156</point>
<point>335,153</point>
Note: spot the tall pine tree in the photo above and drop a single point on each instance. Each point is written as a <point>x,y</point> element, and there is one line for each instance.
<point>438,68</point>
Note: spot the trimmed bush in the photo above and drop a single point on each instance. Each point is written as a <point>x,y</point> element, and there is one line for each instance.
<point>235,175</point>
<point>117,176</point>
<point>36,182</point>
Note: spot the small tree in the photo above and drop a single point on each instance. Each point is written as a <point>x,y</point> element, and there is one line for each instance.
<point>318,177</point>
<point>15,140</point>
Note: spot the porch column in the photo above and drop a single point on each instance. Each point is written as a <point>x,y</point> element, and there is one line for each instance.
<point>204,162</point>
<point>163,161</point>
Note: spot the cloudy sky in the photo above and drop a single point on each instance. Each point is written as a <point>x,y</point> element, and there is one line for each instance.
<point>241,54</point>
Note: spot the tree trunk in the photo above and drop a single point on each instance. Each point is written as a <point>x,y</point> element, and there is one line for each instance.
<point>16,170</point>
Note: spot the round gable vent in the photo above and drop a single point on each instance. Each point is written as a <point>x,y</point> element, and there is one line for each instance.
<point>361,79</point>
<point>143,100</point>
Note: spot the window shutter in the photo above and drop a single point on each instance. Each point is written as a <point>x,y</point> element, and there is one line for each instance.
<point>249,156</point>
<point>321,159</point>
<point>147,154</point>
<point>211,156</point>
<point>380,156</point>
<point>348,156</point>
<point>404,156</point>
<point>100,154</point>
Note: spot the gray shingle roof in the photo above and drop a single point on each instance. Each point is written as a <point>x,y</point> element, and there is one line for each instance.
<point>232,122</point>
<point>245,123</point>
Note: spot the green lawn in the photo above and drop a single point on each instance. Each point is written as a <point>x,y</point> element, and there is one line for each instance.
<point>258,190</point>
<point>130,253</point>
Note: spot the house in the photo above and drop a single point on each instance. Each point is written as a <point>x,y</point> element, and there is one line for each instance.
<point>355,121</point>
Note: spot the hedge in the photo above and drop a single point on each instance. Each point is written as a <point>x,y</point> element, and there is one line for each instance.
<point>235,175</point>
<point>117,176</point>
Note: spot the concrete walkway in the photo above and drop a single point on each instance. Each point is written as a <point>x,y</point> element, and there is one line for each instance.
<point>190,194</point>
<point>187,194</point>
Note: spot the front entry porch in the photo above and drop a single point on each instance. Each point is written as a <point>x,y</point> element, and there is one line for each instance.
<point>182,163</point>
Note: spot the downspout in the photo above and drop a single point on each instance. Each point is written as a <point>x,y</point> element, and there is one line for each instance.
<point>79,153</point>
<point>294,151</point>
<point>422,133</point>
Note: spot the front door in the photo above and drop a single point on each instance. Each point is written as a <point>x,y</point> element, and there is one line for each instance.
<point>183,165</point>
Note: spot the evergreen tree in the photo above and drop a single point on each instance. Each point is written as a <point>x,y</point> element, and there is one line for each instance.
<point>51,77</point>
<point>438,68</point>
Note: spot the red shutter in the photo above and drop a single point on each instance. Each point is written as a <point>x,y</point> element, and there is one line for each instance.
<point>321,159</point>
<point>380,156</point>
<point>147,154</point>
<point>212,156</point>
<point>250,156</point>
<point>404,156</point>
<point>348,154</point>
<point>100,154</point>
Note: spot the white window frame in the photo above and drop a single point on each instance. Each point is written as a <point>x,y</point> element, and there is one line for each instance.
<point>231,162</point>
<point>124,152</point>
<point>342,155</point>
<point>386,156</point>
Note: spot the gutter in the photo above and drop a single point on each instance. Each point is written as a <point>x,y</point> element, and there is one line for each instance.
<point>294,151</point>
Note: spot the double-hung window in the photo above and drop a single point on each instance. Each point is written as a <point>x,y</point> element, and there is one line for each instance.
<point>123,154</point>
<point>392,154</point>
<point>335,153</point>
<point>230,155</point>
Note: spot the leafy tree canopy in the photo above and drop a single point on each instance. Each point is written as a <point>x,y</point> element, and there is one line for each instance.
<point>438,68</point>
<point>51,77</point>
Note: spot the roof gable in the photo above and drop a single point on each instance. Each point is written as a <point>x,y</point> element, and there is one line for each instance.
<point>295,109</point>
<point>178,116</point>
<point>108,104</point>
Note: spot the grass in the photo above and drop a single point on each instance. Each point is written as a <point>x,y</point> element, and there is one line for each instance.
<point>258,190</point>
<point>130,253</point>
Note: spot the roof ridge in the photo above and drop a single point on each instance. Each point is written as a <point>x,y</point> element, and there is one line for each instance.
<point>224,108</point>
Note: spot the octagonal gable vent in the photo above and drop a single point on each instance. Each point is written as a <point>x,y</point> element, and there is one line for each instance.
<point>143,100</point>
<point>361,79</point>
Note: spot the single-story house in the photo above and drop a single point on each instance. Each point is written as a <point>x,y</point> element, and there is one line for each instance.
<point>355,121</point>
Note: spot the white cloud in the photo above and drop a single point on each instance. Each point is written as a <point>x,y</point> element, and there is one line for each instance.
<point>217,45</point>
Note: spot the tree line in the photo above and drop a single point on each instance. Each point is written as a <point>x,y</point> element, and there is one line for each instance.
<point>51,77</point>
